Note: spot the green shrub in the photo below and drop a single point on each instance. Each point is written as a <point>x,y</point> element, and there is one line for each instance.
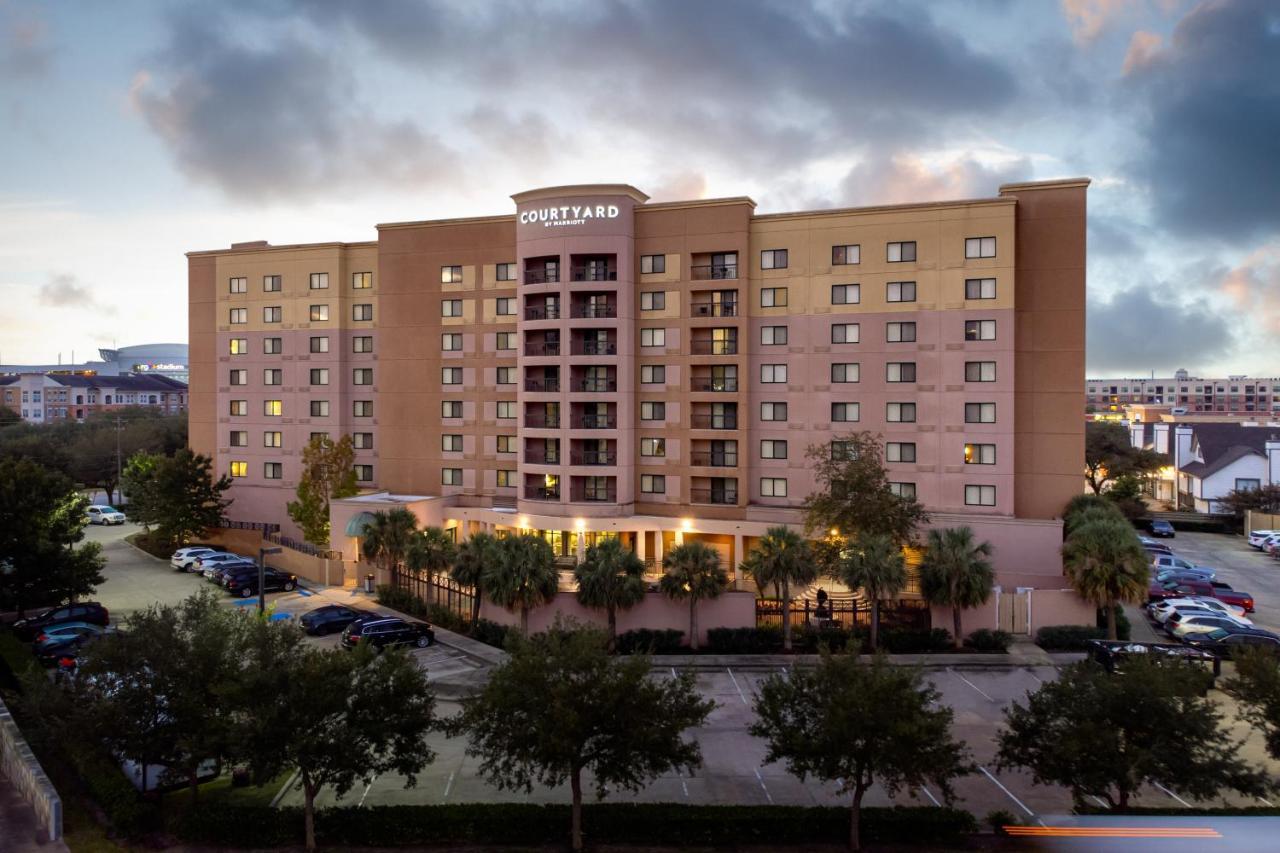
<point>834,637</point>
<point>987,640</point>
<point>1067,638</point>
<point>915,641</point>
<point>1122,623</point>
<point>490,633</point>
<point>744,641</point>
<point>650,641</point>
<point>401,600</point>
<point>443,617</point>
<point>999,819</point>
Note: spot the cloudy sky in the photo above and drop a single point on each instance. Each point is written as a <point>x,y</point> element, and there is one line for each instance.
<point>131,132</point>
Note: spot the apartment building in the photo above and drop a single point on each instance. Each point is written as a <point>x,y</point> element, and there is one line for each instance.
<point>52,397</point>
<point>596,364</point>
<point>1233,395</point>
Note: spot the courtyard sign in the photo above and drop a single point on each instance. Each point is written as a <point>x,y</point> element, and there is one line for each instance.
<point>575,214</point>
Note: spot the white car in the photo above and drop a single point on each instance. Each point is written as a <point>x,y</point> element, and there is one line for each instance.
<point>1256,537</point>
<point>205,565</point>
<point>1162,610</point>
<point>103,514</point>
<point>1200,625</point>
<point>184,558</point>
<point>1199,609</point>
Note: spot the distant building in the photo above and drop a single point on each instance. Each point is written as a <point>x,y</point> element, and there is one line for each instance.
<point>50,397</point>
<point>163,359</point>
<point>1210,459</point>
<point>1234,395</point>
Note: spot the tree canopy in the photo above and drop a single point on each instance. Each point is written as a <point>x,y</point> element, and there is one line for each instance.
<point>956,572</point>
<point>1106,564</point>
<point>177,497</point>
<point>876,565</point>
<point>854,496</point>
<point>783,560</point>
<point>692,572</point>
<point>1256,686</point>
<point>1109,454</point>
<point>328,471</point>
<point>524,577</point>
<point>610,578</point>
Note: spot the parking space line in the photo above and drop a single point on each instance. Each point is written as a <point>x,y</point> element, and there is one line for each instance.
<point>970,683</point>
<point>1008,793</point>
<point>449,784</point>
<point>673,672</point>
<point>1099,801</point>
<point>1172,794</point>
<point>930,795</point>
<point>1265,801</point>
<point>366,792</point>
<point>765,788</point>
<point>741,695</point>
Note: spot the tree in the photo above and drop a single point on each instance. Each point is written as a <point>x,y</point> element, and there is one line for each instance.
<point>1107,565</point>
<point>1104,512</point>
<point>387,535</point>
<point>611,578</point>
<point>477,553</point>
<point>693,572</point>
<point>1265,498</point>
<point>1256,686</point>
<point>781,558</point>
<point>431,549</point>
<point>328,471</point>
<point>176,495</point>
<point>854,496</point>
<point>561,705</point>
<point>860,724</point>
<point>1126,493</point>
<point>1109,454</point>
<point>875,565</point>
<point>956,572</point>
<point>1106,736</point>
<point>524,577</point>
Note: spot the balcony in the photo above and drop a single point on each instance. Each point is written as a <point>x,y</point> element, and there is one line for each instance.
<point>542,421</point>
<point>541,493</point>
<point>539,457</point>
<point>728,420</point>
<point>595,422</point>
<point>593,311</point>
<point>541,276</point>
<point>594,386</point>
<point>714,309</point>
<point>594,457</point>
<point>594,274</point>
<point>606,495</point>
<point>704,383</point>
<point>542,312</point>
<point>552,385</point>
<point>713,459</point>
<point>705,346</point>
<point>728,497</point>
<point>713,272</point>
<point>537,348</point>
<point>595,348</point>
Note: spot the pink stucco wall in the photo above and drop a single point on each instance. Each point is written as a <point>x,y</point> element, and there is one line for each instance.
<point>731,610</point>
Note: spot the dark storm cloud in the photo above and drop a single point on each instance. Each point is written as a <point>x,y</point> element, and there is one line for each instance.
<point>1213,97</point>
<point>1149,328</point>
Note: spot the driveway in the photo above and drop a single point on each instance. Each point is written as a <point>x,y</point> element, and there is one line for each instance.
<point>1245,568</point>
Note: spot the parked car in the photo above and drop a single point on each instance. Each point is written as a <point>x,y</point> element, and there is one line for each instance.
<point>84,611</point>
<point>330,619</point>
<point>245,583</point>
<point>384,631</point>
<point>103,514</point>
<point>1200,573</point>
<point>1185,588</point>
<point>185,558</point>
<point>1170,561</point>
<point>1154,551</point>
<point>65,640</point>
<point>1113,654</point>
<point>1161,609</point>
<point>1182,624</point>
<point>206,564</point>
<point>1268,545</point>
<point>218,575</point>
<point>1162,529</point>
<point>1223,642</point>
<point>1256,537</point>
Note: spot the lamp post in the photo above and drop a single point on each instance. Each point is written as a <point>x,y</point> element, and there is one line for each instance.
<point>262,576</point>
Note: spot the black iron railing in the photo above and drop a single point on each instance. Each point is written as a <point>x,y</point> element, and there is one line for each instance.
<point>594,274</point>
<point>703,346</point>
<point>715,309</point>
<point>726,421</point>
<point>596,422</point>
<point>534,348</point>
<point>595,348</point>
<point>595,457</point>
<point>542,385</point>
<point>592,312</point>
<point>700,384</point>
<point>544,276</point>
<point>712,459</point>
<point>713,272</point>
<point>597,386</point>
<point>714,496</point>
<point>542,312</point>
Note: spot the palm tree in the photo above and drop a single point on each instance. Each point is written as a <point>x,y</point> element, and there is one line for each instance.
<point>610,577</point>
<point>1106,565</point>
<point>693,571</point>
<point>473,559</point>
<point>387,536</point>
<point>956,572</point>
<point>431,549</point>
<point>524,577</point>
<point>875,565</point>
<point>782,558</point>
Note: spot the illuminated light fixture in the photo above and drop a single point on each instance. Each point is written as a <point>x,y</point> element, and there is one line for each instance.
<point>835,531</point>
<point>523,521</point>
<point>686,524</point>
<point>581,524</point>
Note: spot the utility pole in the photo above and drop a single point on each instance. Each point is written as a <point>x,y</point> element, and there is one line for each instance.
<point>119,467</point>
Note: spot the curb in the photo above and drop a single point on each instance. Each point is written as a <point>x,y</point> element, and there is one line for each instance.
<point>126,541</point>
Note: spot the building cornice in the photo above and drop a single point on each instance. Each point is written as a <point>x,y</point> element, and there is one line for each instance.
<point>580,190</point>
<point>446,223</point>
<point>264,248</point>
<point>885,208</point>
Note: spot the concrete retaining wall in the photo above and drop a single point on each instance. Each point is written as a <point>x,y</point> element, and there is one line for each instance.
<point>19,765</point>
<point>656,611</point>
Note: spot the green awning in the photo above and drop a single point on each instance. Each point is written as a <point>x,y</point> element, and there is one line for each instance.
<point>358,522</point>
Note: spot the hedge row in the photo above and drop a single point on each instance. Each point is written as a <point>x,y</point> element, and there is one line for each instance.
<point>485,631</point>
<point>1074,638</point>
<point>650,641</point>
<point>614,823</point>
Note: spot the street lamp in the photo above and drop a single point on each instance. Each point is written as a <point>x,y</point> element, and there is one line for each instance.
<point>262,576</point>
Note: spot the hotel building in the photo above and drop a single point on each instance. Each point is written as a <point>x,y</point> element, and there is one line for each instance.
<point>597,364</point>
<point>1232,395</point>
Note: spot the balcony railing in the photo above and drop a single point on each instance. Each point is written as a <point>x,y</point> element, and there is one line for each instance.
<point>715,309</point>
<point>542,422</point>
<point>542,312</point>
<point>591,312</point>
<point>594,274</point>
<point>599,495</point>
<point>594,457</point>
<point>701,421</point>
<point>534,348</point>
<point>704,346</point>
<point>713,272</point>
<point>594,386</point>
<point>713,496</point>
<point>712,459</point>
<point>595,348</point>
<point>596,422</point>
<point>533,457</point>
<point>541,493</point>
<point>542,385</point>
<point>544,276</point>
<point>702,384</point>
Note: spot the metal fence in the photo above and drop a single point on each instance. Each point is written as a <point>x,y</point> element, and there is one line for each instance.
<point>845,612</point>
<point>301,546</point>
<point>441,590</point>
<point>266,528</point>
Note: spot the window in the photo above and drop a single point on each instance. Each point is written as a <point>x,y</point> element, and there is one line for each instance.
<point>362,311</point>
<point>773,373</point>
<point>451,375</point>
<point>239,346</point>
<point>505,306</point>
<point>504,340</point>
<point>362,408</point>
<point>773,335</point>
<point>773,411</point>
<point>320,344</point>
<point>900,413</point>
<point>900,291</point>
<point>979,371</point>
<point>653,447</point>
<point>361,280</point>
<point>653,484</point>
<point>979,330</point>
<point>364,473</point>
<point>506,444</point>
<point>903,333</point>
<point>272,376</point>
<point>272,438</point>
<point>239,285</point>
<point>846,294</point>
<point>900,371</point>
<point>506,479</point>
<point>848,254</point>
<point>320,435</point>
<point>980,288</point>
<point>979,413</point>
<point>451,476</point>
<point>362,440</point>
<point>1245,484</point>
<point>773,449</point>
<point>362,376</point>
<point>653,263</point>
<point>653,300</point>
<point>979,454</point>
<point>239,316</point>
<point>903,490</point>
<point>979,495</point>
<point>319,281</point>
<point>506,376</point>
<point>239,469</point>
<point>653,374</point>
<point>451,409</point>
<point>319,313</point>
<point>846,372</point>
<point>845,412</point>
<point>238,377</point>
<point>505,272</point>
<point>273,346</point>
<point>901,252</point>
<point>653,411</point>
<point>319,408</point>
<point>451,342</point>
<point>319,376</point>
<point>362,343</point>
<point>773,259</point>
<point>900,451</point>
<point>451,275</point>
<point>980,247</point>
<point>844,333</point>
<point>773,487</point>
<point>272,408</point>
<point>271,284</point>
<point>773,297</point>
<point>653,337</point>
<point>506,410</point>
<point>239,438</point>
<point>451,443</point>
<point>239,408</point>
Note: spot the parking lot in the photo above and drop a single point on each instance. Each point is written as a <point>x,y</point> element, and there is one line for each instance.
<point>1245,568</point>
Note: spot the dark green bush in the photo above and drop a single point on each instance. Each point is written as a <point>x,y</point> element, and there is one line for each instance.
<point>915,641</point>
<point>1067,638</point>
<point>401,600</point>
<point>835,638</point>
<point>999,819</point>
<point>443,617</point>
<point>987,640</point>
<point>1122,623</point>
<point>649,641</point>
<point>744,641</point>
<point>490,633</point>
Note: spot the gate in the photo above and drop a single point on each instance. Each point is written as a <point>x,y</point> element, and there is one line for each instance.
<point>846,612</point>
<point>1014,611</point>
<point>443,590</point>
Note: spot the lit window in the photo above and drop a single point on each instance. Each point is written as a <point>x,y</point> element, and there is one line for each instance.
<point>979,330</point>
<point>239,346</point>
<point>272,408</point>
<point>451,275</point>
<point>979,454</point>
<point>239,469</point>
<point>653,447</point>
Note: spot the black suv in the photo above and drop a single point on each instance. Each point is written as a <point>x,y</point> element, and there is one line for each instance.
<point>85,611</point>
<point>330,619</point>
<point>383,631</point>
<point>244,581</point>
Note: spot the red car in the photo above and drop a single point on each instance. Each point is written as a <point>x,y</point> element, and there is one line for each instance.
<point>1216,589</point>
